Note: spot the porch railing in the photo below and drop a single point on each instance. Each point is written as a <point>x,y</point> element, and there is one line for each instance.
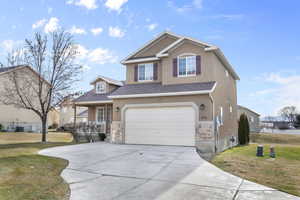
<point>90,131</point>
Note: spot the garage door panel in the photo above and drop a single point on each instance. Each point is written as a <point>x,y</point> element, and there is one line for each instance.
<point>162,125</point>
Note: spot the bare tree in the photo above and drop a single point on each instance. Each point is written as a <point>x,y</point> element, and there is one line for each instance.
<point>288,113</point>
<point>47,75</point>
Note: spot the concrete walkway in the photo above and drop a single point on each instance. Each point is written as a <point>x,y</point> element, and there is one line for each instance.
<point>101,171</point>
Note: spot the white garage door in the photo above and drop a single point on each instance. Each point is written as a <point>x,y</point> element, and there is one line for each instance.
<point>160,125</point>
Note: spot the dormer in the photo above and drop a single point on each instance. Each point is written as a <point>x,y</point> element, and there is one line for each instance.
<point>104,85</point>
<point>100,87</point>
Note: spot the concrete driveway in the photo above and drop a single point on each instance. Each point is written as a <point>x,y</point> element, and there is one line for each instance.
<point>100,171</point>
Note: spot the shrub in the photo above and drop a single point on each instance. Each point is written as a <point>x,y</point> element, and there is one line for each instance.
<point>1,127</point>
<point>243,132</point>
<point>102,136</point>
<point>53,126</point>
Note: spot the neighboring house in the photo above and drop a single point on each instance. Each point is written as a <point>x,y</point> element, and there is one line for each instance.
<point>13,118</point>
<point>252,116</point>
<point>66,112</point>
<point>53,118</point>
<point>178,91</point>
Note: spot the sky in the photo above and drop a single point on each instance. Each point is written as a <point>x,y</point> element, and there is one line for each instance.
<point>260,38</point>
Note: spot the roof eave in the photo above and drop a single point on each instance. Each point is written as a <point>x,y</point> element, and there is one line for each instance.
<point>220,54</point>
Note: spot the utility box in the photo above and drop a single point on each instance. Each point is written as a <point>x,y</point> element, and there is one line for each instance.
<point>260,151</point>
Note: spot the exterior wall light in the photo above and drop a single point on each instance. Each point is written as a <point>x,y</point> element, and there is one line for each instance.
<point>117,109</point>
<point>202,107</point>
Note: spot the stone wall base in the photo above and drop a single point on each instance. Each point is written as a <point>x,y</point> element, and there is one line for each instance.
<point>205,139</point>
<point>116,135</point>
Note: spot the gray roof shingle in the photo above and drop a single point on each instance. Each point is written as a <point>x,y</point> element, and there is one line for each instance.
<point>5,69</point>
<point>92,96</point>
<point>152,88</point>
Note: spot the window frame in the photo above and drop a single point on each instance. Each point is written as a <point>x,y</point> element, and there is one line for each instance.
<point>103,83</point>
<point>145,72</point>
<point>103,114</point>
<point>178,63</point>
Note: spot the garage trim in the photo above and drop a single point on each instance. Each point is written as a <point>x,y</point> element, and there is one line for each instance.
<point>155,105</point>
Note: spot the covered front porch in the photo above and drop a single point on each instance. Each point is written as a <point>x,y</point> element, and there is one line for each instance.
<point>98,123</point>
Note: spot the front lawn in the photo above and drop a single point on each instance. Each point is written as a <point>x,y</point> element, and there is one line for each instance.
<point>13,138</point>
<point>282,173</point>
<point>26,175</point>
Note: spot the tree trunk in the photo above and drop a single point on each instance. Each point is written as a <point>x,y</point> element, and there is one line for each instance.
<point>44,129</point>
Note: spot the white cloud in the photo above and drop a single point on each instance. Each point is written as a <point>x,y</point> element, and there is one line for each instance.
<point>10,45</point>
<point>75,30</point>
<point>52,25</point>
<point>50,10</point>
<point>116,32</point>
<point>284,91</point>
<point>198,3</point>
<point>151,27</point>
<point>96,31</point>
<point>88,4</point>
<point>39,23</point>
<point>195,4</point>
<point>96,56</point>
<point>229,17</point>
<point>101,56</point>
<point>115,5</point>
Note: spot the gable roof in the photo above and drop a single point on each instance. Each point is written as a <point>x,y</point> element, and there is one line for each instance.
<point>108,80</point>
<point>6,69</point>
<point>181,39</point>
<point>244,108</point>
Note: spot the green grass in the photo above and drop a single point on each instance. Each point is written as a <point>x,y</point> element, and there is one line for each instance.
<point>282,173</point>
<point>13,138</point>
<point>26,175</point>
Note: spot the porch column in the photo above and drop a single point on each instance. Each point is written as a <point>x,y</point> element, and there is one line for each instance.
<point>74,116</point>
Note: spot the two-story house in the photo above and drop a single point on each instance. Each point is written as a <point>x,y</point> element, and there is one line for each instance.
<point>178,91</point>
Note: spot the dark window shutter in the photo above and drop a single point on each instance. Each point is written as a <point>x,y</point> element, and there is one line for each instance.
<point>175,67</point>
<point>198,64</point>
<point>135,73</point>
<point>155,68</point>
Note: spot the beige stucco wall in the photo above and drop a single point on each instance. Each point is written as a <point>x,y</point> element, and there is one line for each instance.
<point>207,72</point>
<point>156,47</point>
<point>10,114</point>
<point>130,74</point>
<point>205,115</point>
<point>66,114</point>
<point>225,94</point>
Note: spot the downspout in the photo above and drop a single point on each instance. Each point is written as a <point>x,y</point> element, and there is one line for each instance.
<point>213,119</point>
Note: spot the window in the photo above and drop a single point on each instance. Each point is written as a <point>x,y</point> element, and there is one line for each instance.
<point>100,87</point>
<point>186,65</point>
<point>230,108</point>
<point>100,114</point>
<point>226,72</point>
<point>145,72</point>
<point>251,119</point>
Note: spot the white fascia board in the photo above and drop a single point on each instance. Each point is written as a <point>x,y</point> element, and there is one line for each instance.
<point>140,60</point>
<point>160,94</point>
<point>119,83</point>
<point>92,102</point>
<point>159,54</point>
<point>220,54</point>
